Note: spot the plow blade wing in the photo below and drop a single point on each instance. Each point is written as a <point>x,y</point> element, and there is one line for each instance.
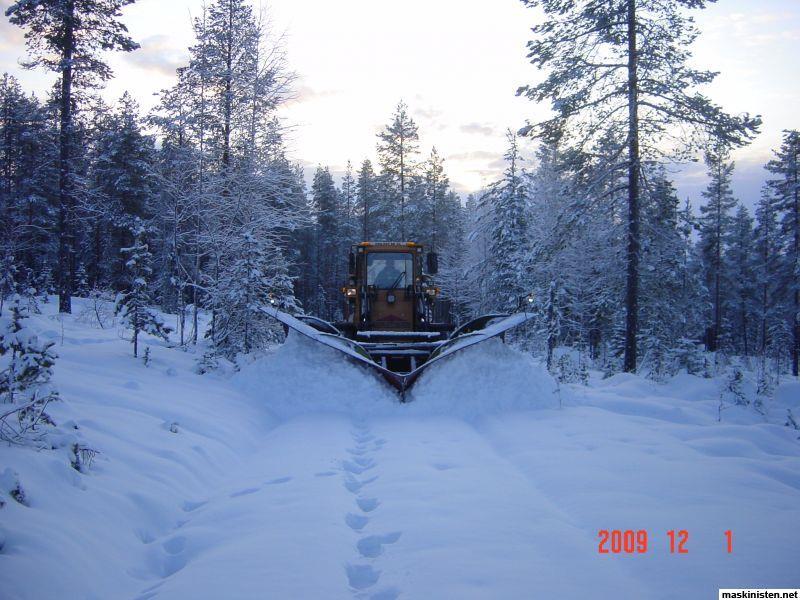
<point>491,326</point>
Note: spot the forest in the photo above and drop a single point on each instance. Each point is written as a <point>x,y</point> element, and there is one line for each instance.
<point>197,206</point>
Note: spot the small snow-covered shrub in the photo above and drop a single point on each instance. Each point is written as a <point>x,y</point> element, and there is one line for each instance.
<point>25,387</point>
<point>133,305</point>
<point>733,389</point>
<point>208,362</point>
<point>98,309</point>
<point>567,371</point>
<point>10,484</point>
<point>689,355</point>
<point>82,457</point>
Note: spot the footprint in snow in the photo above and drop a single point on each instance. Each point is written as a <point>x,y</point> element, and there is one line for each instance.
<point>278,481</point>
<point>367,504</point>
<point>361,577</point>
<point>325,474</point>
<point>172,564</point>
<point>190,506</point>
<point>352,484</point>
<point>356,522</point>
<point>174,545</point>
<point>355,468</point>
<point>245,492</point>
<point>372,545</point>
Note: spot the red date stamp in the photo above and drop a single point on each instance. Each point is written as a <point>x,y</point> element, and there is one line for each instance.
<point>630,541</point>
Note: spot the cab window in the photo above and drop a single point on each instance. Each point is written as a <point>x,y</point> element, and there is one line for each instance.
<point>390,270</point>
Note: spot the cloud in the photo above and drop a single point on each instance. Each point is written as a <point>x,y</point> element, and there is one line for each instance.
<point>430,114</point>
<point>478,128</point>
<point>475,155</point>
<point>158,54</point>
<point>305,93</point>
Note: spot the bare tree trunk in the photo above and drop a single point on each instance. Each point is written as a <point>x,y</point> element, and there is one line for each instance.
<point>632,283</point>
<point>66,241</point>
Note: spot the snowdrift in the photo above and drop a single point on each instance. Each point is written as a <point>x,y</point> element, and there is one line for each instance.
<point>301,377</point>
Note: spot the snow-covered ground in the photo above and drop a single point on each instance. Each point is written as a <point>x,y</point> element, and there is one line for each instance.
<point>302,477</point>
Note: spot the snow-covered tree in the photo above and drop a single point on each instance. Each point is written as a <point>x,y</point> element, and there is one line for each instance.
<point>397,146</point>
<point>249,285</point>
<point>767,262</point>
<point>507,204</point>
<point>785,187</point>
<point>740,258</point>
<point>122,173</point>
<point>621,67</point>
<point>67,36</point>
<point>366,199</point>
<point>134,304</point>
<point>26,368</point>
<point>716,223</point>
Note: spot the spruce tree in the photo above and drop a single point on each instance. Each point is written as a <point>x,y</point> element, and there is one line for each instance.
<point>134,304</point>
<point>767,263</point>
<point>366,197</point>
<point>786,189</point>
<point>716,223</point>
<point>67,36</point>
<point>25,388</point>
<point>507,205</point>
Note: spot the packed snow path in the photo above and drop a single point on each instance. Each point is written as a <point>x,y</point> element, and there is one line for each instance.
<point>302,477</point>
<point>383,508</point>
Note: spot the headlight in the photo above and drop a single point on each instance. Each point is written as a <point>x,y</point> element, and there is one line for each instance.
<point>350,292</point>
<point>432,291</point>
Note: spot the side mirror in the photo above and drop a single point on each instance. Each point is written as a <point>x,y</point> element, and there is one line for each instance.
<point>433,263</point>
<point>352,263</point>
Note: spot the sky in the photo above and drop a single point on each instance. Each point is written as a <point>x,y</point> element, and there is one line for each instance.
<point>457,64</point>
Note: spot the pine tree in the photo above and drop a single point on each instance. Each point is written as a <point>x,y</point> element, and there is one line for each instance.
<point>25,388</point>
<point>716,225</point>
<point>397,146</point>
<point>786,189</point>
<point>621,67</point>
<point>66,36</point>
<point>133,305</point>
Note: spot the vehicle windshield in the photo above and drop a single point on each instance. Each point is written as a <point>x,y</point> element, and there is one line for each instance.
<point>390,270</point>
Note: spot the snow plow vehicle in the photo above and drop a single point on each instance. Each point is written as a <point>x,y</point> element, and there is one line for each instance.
<point>389,312</point>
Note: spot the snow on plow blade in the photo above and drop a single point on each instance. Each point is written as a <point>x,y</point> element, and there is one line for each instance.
<point>476,331</point>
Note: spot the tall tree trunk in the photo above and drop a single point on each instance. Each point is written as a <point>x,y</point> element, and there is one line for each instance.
<point>632,283</point>
<point>402,191</point>
<point>65,193</point>
<point>796,266</point>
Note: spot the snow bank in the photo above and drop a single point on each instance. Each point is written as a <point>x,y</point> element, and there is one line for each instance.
<point>485,379</point>
<point>302,377</point>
